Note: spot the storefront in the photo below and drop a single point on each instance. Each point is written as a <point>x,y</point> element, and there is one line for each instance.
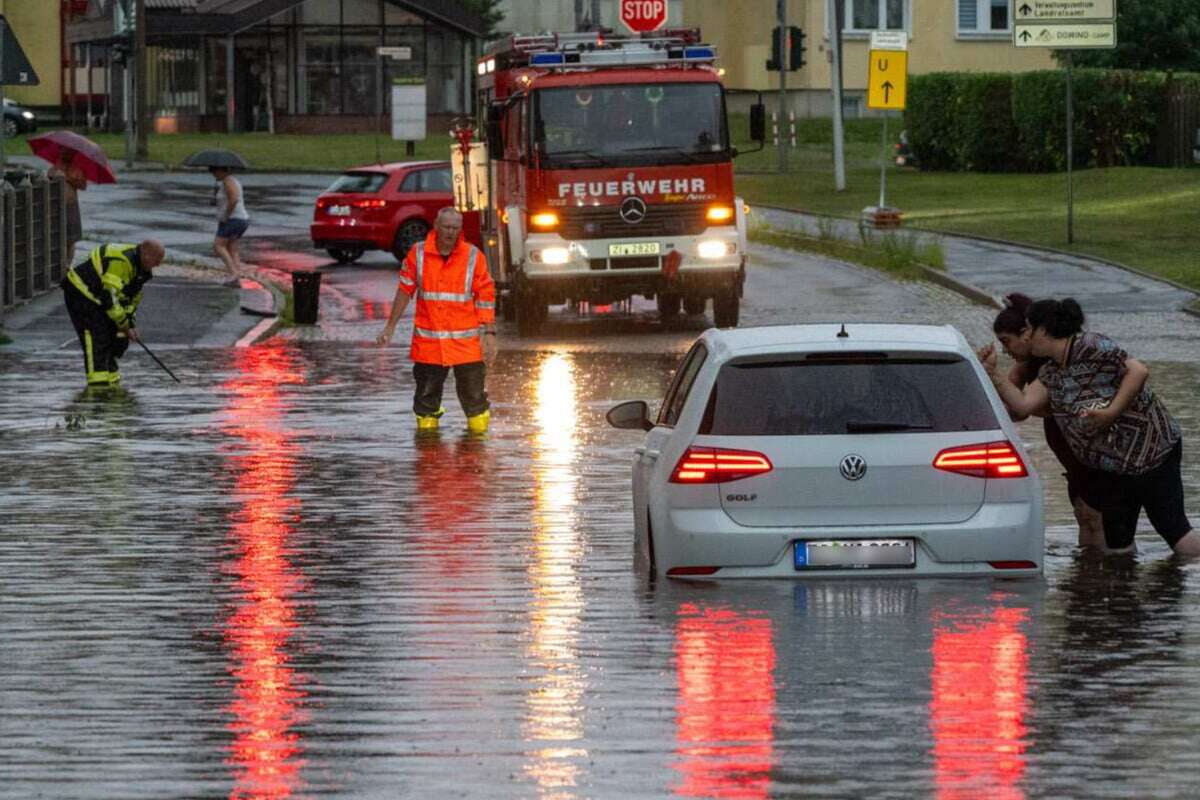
<point>286,66</point>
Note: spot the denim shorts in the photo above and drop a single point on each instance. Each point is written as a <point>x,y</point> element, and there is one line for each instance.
<point>232,228</point>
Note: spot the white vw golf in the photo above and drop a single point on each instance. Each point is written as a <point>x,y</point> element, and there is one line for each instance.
<point>826,450</point>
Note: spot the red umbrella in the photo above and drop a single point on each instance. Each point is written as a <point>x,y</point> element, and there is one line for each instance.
<point>88,155</point>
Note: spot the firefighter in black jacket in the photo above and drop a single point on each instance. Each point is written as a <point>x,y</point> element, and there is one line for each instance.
<point>102,294</point>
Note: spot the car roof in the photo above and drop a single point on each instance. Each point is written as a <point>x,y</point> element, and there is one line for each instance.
<point>824,337</point>
<point>394,166</point>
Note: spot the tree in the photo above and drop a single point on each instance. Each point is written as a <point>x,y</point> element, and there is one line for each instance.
<point>489,11</point>
<point>1151,35</point>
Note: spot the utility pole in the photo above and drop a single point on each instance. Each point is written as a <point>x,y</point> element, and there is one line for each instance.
<point>784,64</point>
<point>130,104</point>
<point>839,146</point>
<point>141,96</point>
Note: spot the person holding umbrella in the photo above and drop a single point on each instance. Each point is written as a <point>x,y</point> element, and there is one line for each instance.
<point>77,160</point>
<point>232,217</point>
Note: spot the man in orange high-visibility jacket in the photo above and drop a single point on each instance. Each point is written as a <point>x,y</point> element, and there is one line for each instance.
<point>454,325</point>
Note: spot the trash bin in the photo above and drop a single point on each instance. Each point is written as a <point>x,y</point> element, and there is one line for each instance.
<point>306,296</point>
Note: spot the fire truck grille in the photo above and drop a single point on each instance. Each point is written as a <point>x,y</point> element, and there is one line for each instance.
<point>604,222</point>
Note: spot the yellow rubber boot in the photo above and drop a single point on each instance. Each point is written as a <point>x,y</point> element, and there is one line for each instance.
<point>429,422</point>
<point>479,422</point>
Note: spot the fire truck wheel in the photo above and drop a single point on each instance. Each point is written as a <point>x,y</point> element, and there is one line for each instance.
<point>725,309</point>
<point>408,234</point>
<point>506,306</point>
<point>668,305</point>
<point>531,311</point>
<point>345,255</point>
<point>694,304</point>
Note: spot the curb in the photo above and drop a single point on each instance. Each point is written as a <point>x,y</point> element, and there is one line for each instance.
<point>1186,308</point>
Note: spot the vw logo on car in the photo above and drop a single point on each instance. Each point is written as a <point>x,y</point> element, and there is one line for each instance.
<point>853,467</point>
<point>633,210</point>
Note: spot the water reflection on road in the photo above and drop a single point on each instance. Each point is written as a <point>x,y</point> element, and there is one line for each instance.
<point>262,584</point>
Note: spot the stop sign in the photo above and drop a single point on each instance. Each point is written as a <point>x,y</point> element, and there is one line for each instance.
<point>641,16</point>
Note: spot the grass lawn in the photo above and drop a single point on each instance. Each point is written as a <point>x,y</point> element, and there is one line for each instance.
<point>1141,217</point>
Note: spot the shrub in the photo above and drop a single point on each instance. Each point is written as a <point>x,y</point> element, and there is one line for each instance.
<point>929,119</point>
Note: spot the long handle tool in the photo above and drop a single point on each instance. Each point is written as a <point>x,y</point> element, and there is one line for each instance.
<point>156,361</point>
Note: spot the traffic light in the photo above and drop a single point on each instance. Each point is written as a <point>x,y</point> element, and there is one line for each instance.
<point>795,49</point>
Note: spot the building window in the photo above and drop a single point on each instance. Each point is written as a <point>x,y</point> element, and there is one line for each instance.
<point>984,16</point>
<point>876,15</point>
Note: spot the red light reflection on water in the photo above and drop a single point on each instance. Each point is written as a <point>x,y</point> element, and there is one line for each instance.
<point>977,708</point>
<point>267,705</point>
<point>725,718</point>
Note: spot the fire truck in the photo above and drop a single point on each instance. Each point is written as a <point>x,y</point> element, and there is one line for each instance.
<point>605,172</point>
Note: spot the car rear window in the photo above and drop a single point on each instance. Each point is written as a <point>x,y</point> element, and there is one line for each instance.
<point>359,182</point>
<point>818,395</point>
<point>428,180</point>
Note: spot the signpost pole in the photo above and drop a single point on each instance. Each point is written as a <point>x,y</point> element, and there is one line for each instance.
<point>1070,153</point>
<point>839,148</point>
<point>3,157</point>
<point>883,164</point>
<point>784,57</point>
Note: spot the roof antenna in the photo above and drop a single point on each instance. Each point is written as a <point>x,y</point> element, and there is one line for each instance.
<point>842,333</point>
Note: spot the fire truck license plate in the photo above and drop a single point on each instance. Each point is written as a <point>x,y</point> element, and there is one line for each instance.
<point>633,249</point>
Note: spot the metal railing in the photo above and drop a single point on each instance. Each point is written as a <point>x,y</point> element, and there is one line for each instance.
<point>33,235</point>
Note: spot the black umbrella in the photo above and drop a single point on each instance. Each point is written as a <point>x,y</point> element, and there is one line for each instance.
<point>216,157</point>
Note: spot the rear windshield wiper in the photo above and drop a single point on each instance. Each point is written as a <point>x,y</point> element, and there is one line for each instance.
<point>573,153</point>
<point>857,426</point>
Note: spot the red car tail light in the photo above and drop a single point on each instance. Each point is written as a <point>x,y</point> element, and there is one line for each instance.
<point>369,203</point>
<point>718,465</point>
<point>1012,565</point>
<point>991,460</point>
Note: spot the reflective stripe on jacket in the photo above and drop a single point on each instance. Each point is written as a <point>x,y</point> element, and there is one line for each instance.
<point>112,278</point>
<point>455,297</point>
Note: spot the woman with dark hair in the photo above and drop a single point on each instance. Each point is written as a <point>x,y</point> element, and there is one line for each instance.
<point>1014,335</point>
<point>1112,422</point>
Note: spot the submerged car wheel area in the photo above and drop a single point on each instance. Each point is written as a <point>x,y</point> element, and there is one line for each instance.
<point>819,450</point>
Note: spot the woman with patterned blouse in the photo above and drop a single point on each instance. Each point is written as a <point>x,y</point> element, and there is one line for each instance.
<point>1114,424</point>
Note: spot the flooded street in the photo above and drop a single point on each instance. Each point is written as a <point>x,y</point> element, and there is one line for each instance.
<point>262,584</point>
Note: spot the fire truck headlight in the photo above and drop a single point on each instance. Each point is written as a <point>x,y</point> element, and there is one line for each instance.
<point>544,220</point>
<point>553,256</point>
<point>712,248</point>
<point>719,213</point>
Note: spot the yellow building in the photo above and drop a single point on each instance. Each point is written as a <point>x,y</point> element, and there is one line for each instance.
<point>37,24</point>
<point>943,35</point>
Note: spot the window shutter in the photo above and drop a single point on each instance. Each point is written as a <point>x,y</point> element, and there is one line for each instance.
<point>968,15</point>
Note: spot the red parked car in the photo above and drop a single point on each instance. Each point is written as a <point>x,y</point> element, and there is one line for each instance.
<point>380,207</point>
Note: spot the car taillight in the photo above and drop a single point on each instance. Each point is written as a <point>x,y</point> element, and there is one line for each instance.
<point>717,465</point>
<point>674,571</point>
<point>991,460</point>
<point>369,203</point>
<point>322,202</point>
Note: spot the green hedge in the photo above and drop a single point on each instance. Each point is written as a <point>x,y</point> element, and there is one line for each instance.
<point>997,122</point>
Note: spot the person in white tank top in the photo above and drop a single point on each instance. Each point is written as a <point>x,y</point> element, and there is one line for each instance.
<point>232,218</point>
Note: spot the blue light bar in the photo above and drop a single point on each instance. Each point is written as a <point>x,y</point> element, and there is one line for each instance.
<point>690,53</point>
<point>548,59</point>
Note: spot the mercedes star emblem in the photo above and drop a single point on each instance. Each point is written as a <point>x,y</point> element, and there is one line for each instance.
<point>853,467</point>
<point>633,210</point>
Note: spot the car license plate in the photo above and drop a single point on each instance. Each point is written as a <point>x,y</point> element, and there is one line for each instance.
<point>339,211</point>
<point>855,554</point>
<point>633,249</point>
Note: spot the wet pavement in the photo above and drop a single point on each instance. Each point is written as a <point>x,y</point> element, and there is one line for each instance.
<point>262,584</point>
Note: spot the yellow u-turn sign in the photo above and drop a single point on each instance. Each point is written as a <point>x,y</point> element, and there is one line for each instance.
<point>887,79</point>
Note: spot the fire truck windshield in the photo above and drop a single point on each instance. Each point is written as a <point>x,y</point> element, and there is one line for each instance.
<point>631,124</point>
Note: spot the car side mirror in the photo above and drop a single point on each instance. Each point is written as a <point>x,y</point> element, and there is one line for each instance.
<point>758,122</point>
<point>632,415</point>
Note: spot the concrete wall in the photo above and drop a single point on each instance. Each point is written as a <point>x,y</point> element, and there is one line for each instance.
<point>37,25</point>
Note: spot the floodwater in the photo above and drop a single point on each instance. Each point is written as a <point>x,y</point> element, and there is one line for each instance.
<point>262,584</point>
